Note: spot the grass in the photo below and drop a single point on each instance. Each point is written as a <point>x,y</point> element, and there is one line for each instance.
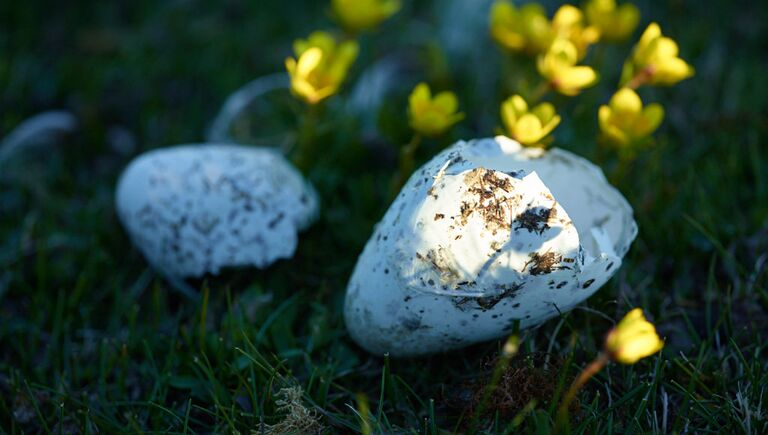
<point>92,340</point>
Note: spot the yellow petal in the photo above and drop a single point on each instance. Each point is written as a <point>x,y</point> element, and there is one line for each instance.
<point>634,315</point>
<point>348,51</point>
<point>420,98</point>
<point>633,338</point>
<point>590,35</point>
<point>607,127</point>
<point>615,24</point>
<point>290,65</point>
<point>300,46</point>
<point>604,114</point>
<point>322,40</point>
<point>650,120</point>
<point>358,15</point>
<point>563,49</point>
<point>651,32</point>
<point>502,12</point>
<point>308,61</point>
<point>433,123</point>
<point>343,58</point>
<point>533,9</point>
<point>305,90</point>
<point>567,16</point>
<point>518,104</point>
<point>446,101</point>
<point>616,136</point>
<point>323,93</point>
<point>627,18</point>
<point>509,40</point>
<point>505,26</point>
<point>544,111</point>
<point>664,48</point>
<point>671,71</point>
<point>528,129</point>
<point>508,115</point>
<point>550,125</point>
<point>389,8</point>
<point>575,78</point>
<point>626,101</point>
<point>639,347</point>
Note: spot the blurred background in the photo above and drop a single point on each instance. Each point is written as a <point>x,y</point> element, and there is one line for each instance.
<point>83,322</point>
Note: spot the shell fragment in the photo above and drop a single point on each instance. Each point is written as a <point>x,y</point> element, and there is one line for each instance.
<point>194,209</point>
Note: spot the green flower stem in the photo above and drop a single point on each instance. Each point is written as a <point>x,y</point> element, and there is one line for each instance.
<point>305,143</point>
<point>622,166</point>
<point>406,162</point>
<point>539,92</point>
<point>592,369</point>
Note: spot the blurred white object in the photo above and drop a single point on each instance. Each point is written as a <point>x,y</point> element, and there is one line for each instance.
<point>193,209</point>
<point>37,130</point>
<point>240,100</point>
<point>484,235</point>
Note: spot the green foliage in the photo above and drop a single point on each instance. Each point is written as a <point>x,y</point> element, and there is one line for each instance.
<point>91,339</point>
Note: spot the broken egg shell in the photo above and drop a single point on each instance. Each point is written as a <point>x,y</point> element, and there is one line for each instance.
<point>193,209</point>
<point>485,235</point>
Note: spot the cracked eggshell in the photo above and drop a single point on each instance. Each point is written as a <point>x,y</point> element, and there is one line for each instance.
<point>193,209</point>
<point>485,234</point>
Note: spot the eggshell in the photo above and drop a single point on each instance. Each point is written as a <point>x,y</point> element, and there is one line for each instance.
<point>193,209</point>
<point>485,234</point>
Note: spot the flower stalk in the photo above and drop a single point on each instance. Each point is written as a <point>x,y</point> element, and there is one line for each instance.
<point>305,149</point>
<point>406,162</point>
<point>631,340</point>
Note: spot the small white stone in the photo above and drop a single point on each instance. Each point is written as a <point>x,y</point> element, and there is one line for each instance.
<point>484,235</point>
<point>193,209</point>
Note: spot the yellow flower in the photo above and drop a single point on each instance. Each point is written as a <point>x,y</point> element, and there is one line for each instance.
<point>528,126</point>
<point>525,30</point>
<point>358,15</point>
<point>624,121</point>
<point>655,61</point>
<point>615,23</point>
<point>632,339</point>
<point>568,23</point>
<point>558,66</point>
<point>321,67</point>
<point>432,116</point>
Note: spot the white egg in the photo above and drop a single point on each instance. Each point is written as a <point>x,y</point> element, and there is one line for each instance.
<point>484,235</point>
<point>193,209</point>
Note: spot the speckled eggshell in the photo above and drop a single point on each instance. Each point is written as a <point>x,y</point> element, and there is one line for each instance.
<point>193,209</point>
<point>485,234</point>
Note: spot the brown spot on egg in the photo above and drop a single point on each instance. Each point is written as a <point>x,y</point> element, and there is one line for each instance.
<point>535,219</point>
<point>543,263</point>
<point>486,196</point>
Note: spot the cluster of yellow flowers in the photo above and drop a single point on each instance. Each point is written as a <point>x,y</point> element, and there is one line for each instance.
<point>624,122</point>
<point>559,46</point>
<point>322,62</point>
<point>562,43</point>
